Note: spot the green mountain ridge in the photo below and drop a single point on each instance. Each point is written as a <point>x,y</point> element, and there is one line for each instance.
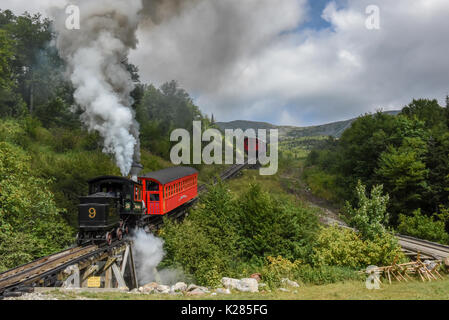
<point>334,129</point>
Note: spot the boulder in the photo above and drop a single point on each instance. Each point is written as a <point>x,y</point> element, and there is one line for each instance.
<point>198,291</point>
<point>243,285</point>
<point>284,290</point>
<point>191,287</point>
<point>230,283</point>
<point>248,285</point>
<point>163,289</point>
<point>223,291</point>
<point>149,287</point>
<point>180,286</point>
<point>430,265</point>
<point>290,283</point>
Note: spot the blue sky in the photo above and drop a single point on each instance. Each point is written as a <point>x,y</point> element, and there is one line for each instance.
<point>315,21</point>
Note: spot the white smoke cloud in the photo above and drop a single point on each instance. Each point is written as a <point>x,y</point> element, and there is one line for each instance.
<point>148,252</point>
<point>95,56</point>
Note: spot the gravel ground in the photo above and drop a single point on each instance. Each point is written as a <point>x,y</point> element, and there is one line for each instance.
<point>43,296</point>
<point>33,296</point>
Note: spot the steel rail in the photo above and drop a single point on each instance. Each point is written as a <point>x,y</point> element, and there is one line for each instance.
<point>29,278</point>
<point>34,270</point>
<point>428,248</point>
<point>36,262</point>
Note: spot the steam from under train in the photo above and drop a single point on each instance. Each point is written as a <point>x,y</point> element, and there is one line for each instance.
<point>95,56</point>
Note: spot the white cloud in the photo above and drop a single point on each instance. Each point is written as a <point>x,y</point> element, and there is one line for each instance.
<point>242,59</point>
<point>314,76</point>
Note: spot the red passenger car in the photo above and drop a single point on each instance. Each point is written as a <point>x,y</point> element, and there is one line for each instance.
<point>167,189</point>
<point>254,144</point>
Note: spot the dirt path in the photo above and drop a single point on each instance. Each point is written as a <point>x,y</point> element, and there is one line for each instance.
<point>292,182</point>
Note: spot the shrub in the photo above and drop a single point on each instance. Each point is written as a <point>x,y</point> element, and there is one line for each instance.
<point>423,227</point>
<point>319,275</point>
<point>321,183</point>
<point>269,225</point>
<point>204,245</point>
<point>278,268</point>
<point>371,215</point>
<point>227,237</point>
<point>30,223</point>
<point>345,248</point>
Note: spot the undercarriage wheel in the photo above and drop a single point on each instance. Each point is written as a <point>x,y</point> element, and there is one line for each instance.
<point>119,234</point>
<point>109,238</point>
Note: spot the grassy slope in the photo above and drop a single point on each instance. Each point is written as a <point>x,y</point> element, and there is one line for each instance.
<point>416,290</point>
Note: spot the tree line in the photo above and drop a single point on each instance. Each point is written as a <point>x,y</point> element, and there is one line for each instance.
<point>32,83</point>
<point>408,154</point>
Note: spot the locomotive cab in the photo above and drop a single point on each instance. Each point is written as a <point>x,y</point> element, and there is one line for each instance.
<point>112,206</point>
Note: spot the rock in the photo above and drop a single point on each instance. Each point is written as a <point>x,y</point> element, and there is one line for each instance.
<point>197,291</point>
<point>180,286</point>
<point>163,289</point>
<point>230,283</point>
<point>290,283</point>
<point>243,285</point>
<point>149,287</point>
<point>284,290</point>
<point>191,287</point>
<point>223,291</point>
<point>430,265</point>
<point>256,276</point>
<point>248,285</point>
<point>194,287</point>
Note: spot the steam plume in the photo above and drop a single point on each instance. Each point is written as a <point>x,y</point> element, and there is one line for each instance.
<point>148,252</point>
<point>95,56</point>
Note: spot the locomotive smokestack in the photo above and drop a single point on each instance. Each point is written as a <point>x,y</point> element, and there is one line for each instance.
<point>136,168</point>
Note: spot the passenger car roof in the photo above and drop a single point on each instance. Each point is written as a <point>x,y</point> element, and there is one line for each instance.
<point>112,179</point>
<point>168,175</point>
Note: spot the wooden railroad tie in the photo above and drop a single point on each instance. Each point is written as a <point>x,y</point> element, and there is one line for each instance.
<point>403,272</point>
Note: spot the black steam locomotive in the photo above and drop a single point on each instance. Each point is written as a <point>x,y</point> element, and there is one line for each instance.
<point>116,205</point>
<point>113,206</point>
